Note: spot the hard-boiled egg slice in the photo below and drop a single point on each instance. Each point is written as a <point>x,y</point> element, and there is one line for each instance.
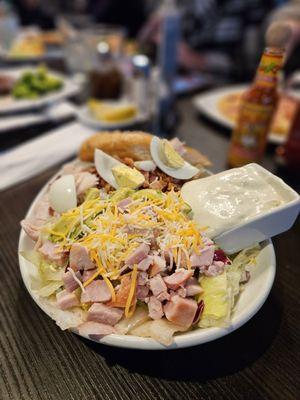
<point>116,173</point>
<point>146,165</point>
<point>62,194</point>
<point>169,161</point>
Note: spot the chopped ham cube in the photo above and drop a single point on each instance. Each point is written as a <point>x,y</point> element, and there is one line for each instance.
<point>155,308</point>
<point>66,300</point>
<point>192,287</point>
<point>181,292</point>
<point>181,311</point>
<point>96,291</point>
<point>138,255</point>
<point>163,296</point>
<point>142,278</point>
<point>157,285</point>
<point>70,283</point>
<point>145,263</point>
<point>178,278</point>
<point>52,253</point>
<point>42,211</point>
<point>178,145</point>
<point>214,269</point>
<point>205,258</point>
<point>106,315</point>
<point>159,265</point>
<point>95,330</point>
<point>30,229</point>
<point>123,204</point>
<point>79,258</point>
<point>142,292</point>
<point>87,274</point>
<point>84,180</point>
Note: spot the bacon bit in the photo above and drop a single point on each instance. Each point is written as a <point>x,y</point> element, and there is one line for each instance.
<point>198,312</point>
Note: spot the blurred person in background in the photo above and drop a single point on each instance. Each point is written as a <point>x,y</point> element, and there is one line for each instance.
<point>129,14</point>
<point>290,13</point>
<point>220,36</point>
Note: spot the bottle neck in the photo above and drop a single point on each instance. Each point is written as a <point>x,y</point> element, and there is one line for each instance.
<point>269,67</point>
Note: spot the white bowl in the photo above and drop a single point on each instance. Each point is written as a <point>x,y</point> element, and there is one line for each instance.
<point>249,302</point>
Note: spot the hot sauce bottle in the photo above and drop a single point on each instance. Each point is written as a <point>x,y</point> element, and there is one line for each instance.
<point>249,136</point>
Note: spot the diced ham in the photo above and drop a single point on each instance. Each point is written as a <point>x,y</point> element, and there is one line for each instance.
<point>205,258</point>
<point>42,211</point>
<point>95,330</point>
<point>99,312</point>
<point>142,292</point>
<point>30,229</point>
<point>181,311</point>
<point>65,300</point>
<point>145,263</point>
<point>138,255</point>
<point>181,292</point>
<point>169,258</point>
<point>178,145</point>
<point>123,204</point>
<point>163,296</point>
<point>96,291</point>
<point>214,269</point>
<point>192,287</point>
<point>87,274</point>
<point>177,278</point>
<point>155,308</point>
<point>84,180</point>
<point>142,278</point>
<point>69,282</point>
<point>53,253</point>
<point>79,258</point>
<point>159,265</point>
<point>157,285</point>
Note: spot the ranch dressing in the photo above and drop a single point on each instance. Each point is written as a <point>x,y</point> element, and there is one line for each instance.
<point>231,198</point>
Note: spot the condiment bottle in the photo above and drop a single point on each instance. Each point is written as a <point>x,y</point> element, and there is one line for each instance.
<point>249,136</point>
<point>105,78</point>
<point>289,154</point>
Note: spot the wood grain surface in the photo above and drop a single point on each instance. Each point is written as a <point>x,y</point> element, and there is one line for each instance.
<point>39,362</point>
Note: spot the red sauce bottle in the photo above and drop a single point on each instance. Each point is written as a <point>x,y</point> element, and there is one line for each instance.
<point>249,136</point>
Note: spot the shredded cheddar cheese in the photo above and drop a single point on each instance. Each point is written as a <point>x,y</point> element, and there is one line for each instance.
<point>111,234</point>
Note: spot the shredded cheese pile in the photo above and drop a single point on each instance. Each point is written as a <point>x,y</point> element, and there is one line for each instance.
<point>111,234</point>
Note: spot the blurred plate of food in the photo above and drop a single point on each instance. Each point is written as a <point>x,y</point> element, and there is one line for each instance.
<point>33,45</point>
<point>112,114</point>
<point>22,89</point>
<point>222,106</point>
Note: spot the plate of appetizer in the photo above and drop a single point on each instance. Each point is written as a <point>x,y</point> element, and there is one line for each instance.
<point>222,106</point>
<point>117,249</point>
<point>34,46</point>
<point>26,88</point>
<point>118,114</point>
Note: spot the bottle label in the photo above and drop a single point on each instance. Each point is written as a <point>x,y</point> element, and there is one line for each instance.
<point>249,136</point>
<point>270,65</point>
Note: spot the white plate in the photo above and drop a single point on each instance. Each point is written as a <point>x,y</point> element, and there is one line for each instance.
<point>10,105</point>
<point>207,104</point>
<point>87,119</point>
<point>250,301</point>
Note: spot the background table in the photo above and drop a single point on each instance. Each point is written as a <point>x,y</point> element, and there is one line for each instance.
<point>39,361</point>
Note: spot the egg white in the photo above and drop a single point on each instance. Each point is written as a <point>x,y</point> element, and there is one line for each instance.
<point>187,171</point>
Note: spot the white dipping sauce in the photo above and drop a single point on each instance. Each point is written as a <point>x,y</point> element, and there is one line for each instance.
<point>230,198</point>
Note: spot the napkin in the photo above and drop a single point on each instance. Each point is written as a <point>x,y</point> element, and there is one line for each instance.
<point>56,112</point>
<point>37,155</point>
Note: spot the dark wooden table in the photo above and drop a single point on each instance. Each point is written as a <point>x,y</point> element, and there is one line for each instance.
<point>39,361</point>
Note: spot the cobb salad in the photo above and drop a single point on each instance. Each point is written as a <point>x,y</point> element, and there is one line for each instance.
<point>116,249</point>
